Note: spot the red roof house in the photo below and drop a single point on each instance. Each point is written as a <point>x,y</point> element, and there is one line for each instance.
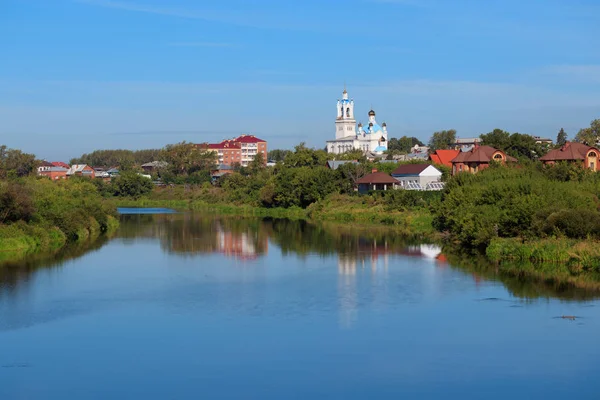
<point>61,164</point>
<point>443,157</point>
<point>574,152</point>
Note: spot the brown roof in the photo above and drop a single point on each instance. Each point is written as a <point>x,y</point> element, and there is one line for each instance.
<point>377,177</point>
<point>570,151</point>
<point>479,154</point>
<point>410,169</point>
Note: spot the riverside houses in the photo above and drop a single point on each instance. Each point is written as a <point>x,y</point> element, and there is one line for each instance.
<point>477,158</point>
<point>418,177</point>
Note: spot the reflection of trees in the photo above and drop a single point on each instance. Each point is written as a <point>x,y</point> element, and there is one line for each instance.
<point>16,273</point>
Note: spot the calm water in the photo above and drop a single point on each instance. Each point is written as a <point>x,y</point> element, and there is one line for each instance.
<point>179,306</point>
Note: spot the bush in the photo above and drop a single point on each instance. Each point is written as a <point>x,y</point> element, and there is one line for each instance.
<point>131,184</point>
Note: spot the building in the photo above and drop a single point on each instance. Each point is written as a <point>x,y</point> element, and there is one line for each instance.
<point>335,164</point>
<point>220,171</point>
<point>418,176</point>
<point>572,152</point>
<point>51,171</point>
<point>443,157</point>
<point>154,166</point>
<point>81,170</point>
<point>466,143</point>
<point>251,146</point>
<point>478,158</point>
<point>240,150</point>
<point>376,181</point>
<point>348,136</point>
<point>61,164</point>
<point>542,140</point>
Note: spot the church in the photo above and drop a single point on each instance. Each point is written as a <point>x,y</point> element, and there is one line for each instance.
<point>372,138</point>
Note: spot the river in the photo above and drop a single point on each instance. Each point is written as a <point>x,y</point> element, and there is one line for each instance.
<point>183,306</point>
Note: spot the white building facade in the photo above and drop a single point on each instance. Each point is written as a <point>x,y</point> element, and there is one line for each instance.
<point>372,138</point>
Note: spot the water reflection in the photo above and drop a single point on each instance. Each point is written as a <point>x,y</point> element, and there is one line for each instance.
<point>248,240</point>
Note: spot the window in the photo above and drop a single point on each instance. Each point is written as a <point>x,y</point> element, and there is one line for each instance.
<point>498,157</point>
<point>348,112</point>
<point>591,154</point>
<point>460,167</point>
<point>593,166</point>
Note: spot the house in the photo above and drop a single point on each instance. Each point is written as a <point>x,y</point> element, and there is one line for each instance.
<point>60,164</point>
<point>54,173</point>
<point>478,158</point>
<point>443,157</point>
<point>43,166</point>
<point>572,152</point>
<point>81,170</point>
<point>220,171</point>
<point>335,164</point>
<point>113,172</point>
<point>154,166</point>
<point>466,143</point>
<point>418,176</point>
<point>376,181</point>
<point>542,140</point>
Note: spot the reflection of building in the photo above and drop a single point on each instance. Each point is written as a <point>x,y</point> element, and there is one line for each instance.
<point>240,245</point>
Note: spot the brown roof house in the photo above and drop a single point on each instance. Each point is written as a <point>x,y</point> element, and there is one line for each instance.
<point>573,152</point>
<point>478,158</point>
<point>376,181</point>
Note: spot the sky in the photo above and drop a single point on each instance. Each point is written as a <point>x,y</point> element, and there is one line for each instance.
<point>81,75</point>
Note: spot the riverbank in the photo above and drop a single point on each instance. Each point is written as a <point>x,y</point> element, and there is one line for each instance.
<point>341,210</point>
<point>43,216</point>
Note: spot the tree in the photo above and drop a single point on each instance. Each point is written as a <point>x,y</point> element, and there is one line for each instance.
<point>442,140</point>
<point>184,158</point>
<point>131,184</point>
<point>257,163</point>
<point>277,155</point>
<point>497,139</point>
<point>591,135</point>
<point>16,163</point>
<point>303,156</point>
<point>404,144</point>
<point>561,138</point>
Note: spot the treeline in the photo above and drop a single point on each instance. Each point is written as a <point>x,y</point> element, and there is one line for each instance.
<point>117,158</point>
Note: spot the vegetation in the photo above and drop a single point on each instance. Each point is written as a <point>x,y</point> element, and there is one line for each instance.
<point>591,135</point>
<point>518,145</point>
<point>124,159</point>
<point>442,140</point>
<point>38,214</point>
<point>561,138</point>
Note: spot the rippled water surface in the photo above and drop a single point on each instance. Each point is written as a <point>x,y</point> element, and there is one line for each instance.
<point>183,306</point>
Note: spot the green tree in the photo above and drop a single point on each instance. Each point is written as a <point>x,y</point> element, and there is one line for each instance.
<point>131,184</point>
<point>184,158</point>
<point>403,145</point>
<point>561,138</point>
<point>442,140</point>
<point>277,155</point>
<point>591,135</point>
<point>16,163</point>
<point>497,139</point>
<point>303,156</point>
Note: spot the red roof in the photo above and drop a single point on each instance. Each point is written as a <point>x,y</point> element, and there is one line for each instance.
<point>480,154</point>
<point>410,169</point>
<point>444,157</point>
<point>61,164</point>
<point>570,151</point>
<point>377,177</point>
<point>248,139</point>
<point>225,144</point>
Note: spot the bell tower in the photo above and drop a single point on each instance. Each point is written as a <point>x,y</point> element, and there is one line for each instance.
<point>345,124</point>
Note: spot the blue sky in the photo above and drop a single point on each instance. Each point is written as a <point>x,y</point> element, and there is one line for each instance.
<point>79,75</point>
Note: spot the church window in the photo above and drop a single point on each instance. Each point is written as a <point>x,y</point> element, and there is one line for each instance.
<point>348,112</point>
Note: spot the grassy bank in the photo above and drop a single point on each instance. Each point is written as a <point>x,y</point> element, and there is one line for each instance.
<point>43,216</point>
<point>340,209</point>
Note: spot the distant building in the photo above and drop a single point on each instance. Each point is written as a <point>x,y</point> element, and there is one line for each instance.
<point>241,150</point>
<point>371,138</point>
<point>154,166</point>
<point>542,140</point>
<point>61,164</point>
<point>335,164</point>
<point>81,170</point>
<point>576,153</point>
<point>466,143</point>
<point>51,171</point>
